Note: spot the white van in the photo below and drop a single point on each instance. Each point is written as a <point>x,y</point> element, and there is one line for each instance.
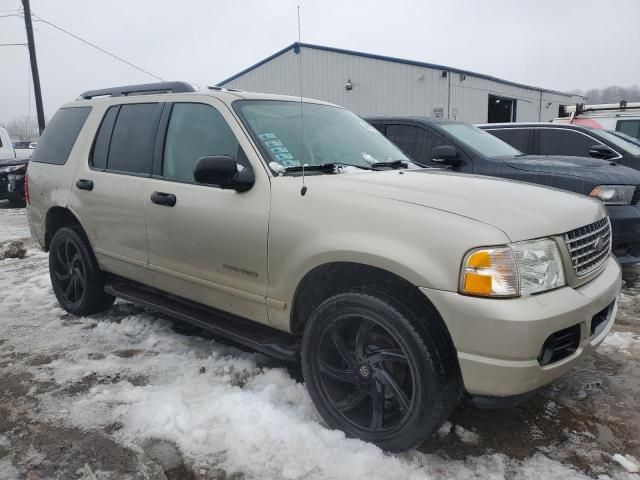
<point>621,117</point>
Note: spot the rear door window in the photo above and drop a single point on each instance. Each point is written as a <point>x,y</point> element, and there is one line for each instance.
<point>417,143</point>
<point>133,138</point>
<point>516,137</point>
<point>59,137</point>
<point>559,141</point>
<point>630,127</point>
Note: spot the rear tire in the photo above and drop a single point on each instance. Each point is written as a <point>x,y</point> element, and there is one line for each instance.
<point>76,278</point>
<point>371,374</point>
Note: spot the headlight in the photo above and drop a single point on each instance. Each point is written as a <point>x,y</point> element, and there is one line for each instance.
<point>614,194</point>
<point>521,268</point>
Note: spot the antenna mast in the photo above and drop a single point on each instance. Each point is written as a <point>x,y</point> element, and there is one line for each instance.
<point>304,187</point>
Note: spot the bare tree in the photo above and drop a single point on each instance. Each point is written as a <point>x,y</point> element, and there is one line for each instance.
<point>23,128</point>
<point>611,94</point>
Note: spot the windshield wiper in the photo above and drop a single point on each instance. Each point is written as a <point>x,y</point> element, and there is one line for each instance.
<point>391,164</point>
<point>324,167</point>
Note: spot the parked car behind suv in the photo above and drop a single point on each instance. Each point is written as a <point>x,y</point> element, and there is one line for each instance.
<point>566,139</point>
<point>400,287</point>
<point>12,171</point>
<point>464,148</point>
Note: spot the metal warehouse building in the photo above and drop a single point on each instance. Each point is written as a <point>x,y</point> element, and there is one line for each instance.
<point>379,85</point>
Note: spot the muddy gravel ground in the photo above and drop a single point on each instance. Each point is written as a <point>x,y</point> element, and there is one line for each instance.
<point>130,395</point>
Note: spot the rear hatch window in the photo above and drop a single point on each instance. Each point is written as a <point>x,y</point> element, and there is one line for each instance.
<point>59,137</point>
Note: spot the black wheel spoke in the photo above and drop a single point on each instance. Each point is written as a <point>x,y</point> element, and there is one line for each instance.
<point>343,375</point>
<point>377,407</point>
<point>387,354</point>
<point>341,346</point>
<point>395,389</point>
<point>66,253</point>
<point>76,289</point>
<point>67,291</point>
<point>351,401</point>
<point>60,258</point>
<point>361,336</point>
<point>62,277</point>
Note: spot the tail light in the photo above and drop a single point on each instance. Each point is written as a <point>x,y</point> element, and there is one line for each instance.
<point>27,199</point>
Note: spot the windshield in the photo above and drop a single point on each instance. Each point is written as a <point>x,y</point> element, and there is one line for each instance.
<point>322,135</point>
<point>481,141</point>
<point>617,141</point>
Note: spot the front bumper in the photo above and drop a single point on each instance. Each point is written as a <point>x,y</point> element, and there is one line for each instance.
<point>498,340</point>
<point>625,225</point>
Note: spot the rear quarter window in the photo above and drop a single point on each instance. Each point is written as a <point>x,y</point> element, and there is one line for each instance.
<point>59,137</point>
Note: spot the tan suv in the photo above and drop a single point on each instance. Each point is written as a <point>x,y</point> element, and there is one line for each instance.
<point>297,229</point>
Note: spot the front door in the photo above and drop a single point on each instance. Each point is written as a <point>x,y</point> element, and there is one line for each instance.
<point>211,245</point>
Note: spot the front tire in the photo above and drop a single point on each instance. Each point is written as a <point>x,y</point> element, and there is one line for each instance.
<point>372,375</point>
<point>76,278</point>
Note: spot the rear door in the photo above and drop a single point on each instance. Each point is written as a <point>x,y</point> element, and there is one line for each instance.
<point>211,245</point>
<point>111,187</point>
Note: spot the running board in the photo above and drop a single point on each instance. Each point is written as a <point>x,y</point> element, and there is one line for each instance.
<point>256,336</point>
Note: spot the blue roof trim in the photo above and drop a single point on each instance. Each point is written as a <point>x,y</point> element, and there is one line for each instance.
<point>297,45</point>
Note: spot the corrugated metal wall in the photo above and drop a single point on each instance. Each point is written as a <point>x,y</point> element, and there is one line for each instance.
<point>389,88</point>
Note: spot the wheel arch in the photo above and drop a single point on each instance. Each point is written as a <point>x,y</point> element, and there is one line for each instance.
<point>58,217</point>
<point>329,279</point>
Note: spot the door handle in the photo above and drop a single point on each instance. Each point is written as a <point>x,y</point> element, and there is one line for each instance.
<point>165,199</point>
<point>84,184</point>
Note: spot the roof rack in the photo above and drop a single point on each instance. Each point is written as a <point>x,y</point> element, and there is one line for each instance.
<point>218,88</point>
<point>142,89</point>
<point>582,108</point>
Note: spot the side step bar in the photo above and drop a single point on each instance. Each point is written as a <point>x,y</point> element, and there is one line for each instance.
<point>256,336</point>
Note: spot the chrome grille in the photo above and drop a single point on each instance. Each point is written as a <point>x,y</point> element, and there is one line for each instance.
<point>589,246</point>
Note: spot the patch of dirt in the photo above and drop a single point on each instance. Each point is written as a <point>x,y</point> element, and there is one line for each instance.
<point>40,360</point>
<point>127,353</point>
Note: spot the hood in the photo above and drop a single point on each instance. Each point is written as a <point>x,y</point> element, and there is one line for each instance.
<point>601,171</point>
<point>13,161</point>
<point>521,210</point>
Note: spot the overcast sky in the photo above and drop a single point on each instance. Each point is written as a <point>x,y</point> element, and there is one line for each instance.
<point>556,44</point>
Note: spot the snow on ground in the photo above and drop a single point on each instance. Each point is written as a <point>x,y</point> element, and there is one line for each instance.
<point>621,341</point>
<point>129,373</point>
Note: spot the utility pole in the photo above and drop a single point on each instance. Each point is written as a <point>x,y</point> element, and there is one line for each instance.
<point>34,64</point>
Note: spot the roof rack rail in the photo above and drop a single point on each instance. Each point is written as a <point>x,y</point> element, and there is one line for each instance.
<point>218,88</point>
<point>141,89</point>
<point>579,108</point>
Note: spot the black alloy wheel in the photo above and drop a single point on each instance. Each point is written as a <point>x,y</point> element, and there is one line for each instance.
<point>365,374</point>
<point>69,271</point>
<point>375,372</point>
<point>76,278</point>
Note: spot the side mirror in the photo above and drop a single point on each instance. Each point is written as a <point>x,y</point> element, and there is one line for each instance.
<point>223,171</point>
<point>602,152</point>
<point>445,155</point>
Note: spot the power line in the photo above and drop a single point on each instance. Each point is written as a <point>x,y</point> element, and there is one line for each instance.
<point>13,44</point>
<point>40,19</point>
<point>66,44</point>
